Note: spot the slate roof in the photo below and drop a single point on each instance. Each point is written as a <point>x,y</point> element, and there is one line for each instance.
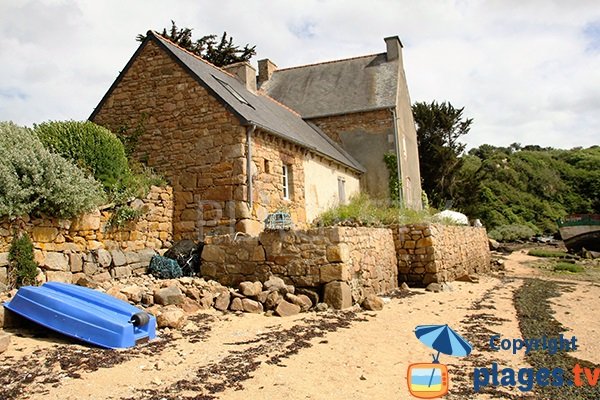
<point>250,108</point>
<point>336,87</point>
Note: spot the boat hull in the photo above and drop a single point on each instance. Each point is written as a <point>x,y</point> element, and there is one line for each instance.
<point>83,313</point>
<point>581,231</point>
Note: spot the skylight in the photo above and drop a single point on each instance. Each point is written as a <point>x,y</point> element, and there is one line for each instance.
<point>233,92</point>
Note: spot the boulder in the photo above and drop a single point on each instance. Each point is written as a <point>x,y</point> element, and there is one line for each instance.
<point>372,303</point>
<point>133,293</point>
<point>252,306</point>
<point>301,300</point>
<point>404,287</point>
<point>168,295</point>
<point>286,309</point>
<point>439,287</point>
<point>338,295</point>
<point>262,296</point>
<point>273,299</point>
<point>103,257</point>
<point>87,282</point>
<point>222,301</point>
<point>468,278</point>
<point>56,261</point>
<point>311,294</point>
<point>118,258</point>
<point>237,305</point>
<point>171,317</point>
<point>190,306</point>
<point>116,292</point>
<point>251,288</point>
<point>275,284</point>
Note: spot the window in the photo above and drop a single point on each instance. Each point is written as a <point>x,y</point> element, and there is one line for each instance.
<point>286,182</point>
<point>267,167</point>
<point>342,190</point>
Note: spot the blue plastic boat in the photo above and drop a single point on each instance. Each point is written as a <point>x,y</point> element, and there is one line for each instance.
<point>85,314</point>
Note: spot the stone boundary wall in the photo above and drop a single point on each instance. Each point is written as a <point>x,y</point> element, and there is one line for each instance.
<point>352,262</point>
<point>440,253</point>
<point>67,250</point>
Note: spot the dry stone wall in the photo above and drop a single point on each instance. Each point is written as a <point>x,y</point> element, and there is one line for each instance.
<point>68,250</point>
<point>440,253</point>
<point>340,263</point>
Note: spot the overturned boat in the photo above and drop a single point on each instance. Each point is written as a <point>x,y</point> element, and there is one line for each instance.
<point>85,314</point>
<point>580,231</point>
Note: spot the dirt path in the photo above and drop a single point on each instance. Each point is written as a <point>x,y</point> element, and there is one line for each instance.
<point>350,355</point>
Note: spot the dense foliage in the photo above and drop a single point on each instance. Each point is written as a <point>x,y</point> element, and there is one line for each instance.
<point>22,263</point>
<point>34,180</point>
<point>91,147</point>
<point>529,185</point>
<point>439,127</point>
<point>220,53</point>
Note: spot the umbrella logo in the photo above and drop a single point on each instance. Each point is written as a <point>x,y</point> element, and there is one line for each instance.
<point>430,380</point>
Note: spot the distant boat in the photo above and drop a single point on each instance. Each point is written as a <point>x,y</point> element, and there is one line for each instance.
<point>580,231</point>
<point>85,314</point>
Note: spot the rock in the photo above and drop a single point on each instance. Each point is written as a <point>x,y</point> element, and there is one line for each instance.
<point>311,294</point>
<point>59,276</point>
<point>3,259</point>
<point>275,284</point>
<point>131,257</point>
<point>75,262</point>
<point>171,317</point>
<point>273,299</point>
<point>168,295</point>
<point>207,302</point>
<point>372,303</point>
<point>301,300</point>
<point>148,299</point>
<point>404,287</point>
<point>190,306</point>
<point>222,301</point>
<point>251,288</point>
<point>468,278</point>
<point>321,307</point>
<point>252,306</point>
<point>145,255</point>
<point>334,272</point>
<point>87,282</point>
<point>338,295</point>
<point>56,261</point>
<point>120,272</point>
<point>262,296</point>
<point>193,293</point>
<point>4,341</point>
<point>237,305</point>
<point>494,245</point>
<point>434,287</point>
<point>103,258</point>
<point>286,309</point>
<point>40,234</point>
<point>116,292</point>
<point>290,289</point>
<point>446,287</point>
<point>133,293</point>
<point>118,258</point>
<point>338,253</point>
<point>102,277</point>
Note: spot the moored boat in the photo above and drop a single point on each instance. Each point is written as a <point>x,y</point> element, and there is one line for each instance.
<point>85,314</point>
<point>580,231</point>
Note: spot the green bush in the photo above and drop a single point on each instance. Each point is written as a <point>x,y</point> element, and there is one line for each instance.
<point>33,180</point>
<point>547,253</point>
<point>568,267</point>
<point>22,263</point>
<point>511,233</point>
<point>90,146</point>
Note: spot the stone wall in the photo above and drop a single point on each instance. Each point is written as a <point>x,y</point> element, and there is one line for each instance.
<point>66,250</point>
<point>361,260</point>
<point>439,253</point>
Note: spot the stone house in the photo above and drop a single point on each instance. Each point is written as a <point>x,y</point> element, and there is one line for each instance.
<point>234,154</point>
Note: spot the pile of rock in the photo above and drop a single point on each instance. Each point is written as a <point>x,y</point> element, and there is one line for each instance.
<point>172,300</point>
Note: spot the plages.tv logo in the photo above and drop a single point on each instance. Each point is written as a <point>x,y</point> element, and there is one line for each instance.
<point>431,380</point>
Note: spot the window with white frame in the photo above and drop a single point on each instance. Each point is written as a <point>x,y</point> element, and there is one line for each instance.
<point>286,181</point>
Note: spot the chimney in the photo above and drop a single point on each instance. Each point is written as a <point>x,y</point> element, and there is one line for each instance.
<point>266,68</point>
<point>245,73</point>
<point>394,47</point>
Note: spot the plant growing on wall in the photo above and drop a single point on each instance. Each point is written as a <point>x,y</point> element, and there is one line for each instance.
<point>22,263</point>
<point>391,162</point>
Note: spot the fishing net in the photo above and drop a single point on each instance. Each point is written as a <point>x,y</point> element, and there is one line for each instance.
<point>164,268</point>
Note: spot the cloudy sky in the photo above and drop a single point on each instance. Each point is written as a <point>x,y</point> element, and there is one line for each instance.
<point>526,71</point>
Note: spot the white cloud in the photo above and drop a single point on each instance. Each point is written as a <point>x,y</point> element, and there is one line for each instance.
<point>526,72</point>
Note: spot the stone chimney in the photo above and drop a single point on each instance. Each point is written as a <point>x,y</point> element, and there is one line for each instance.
<point>244,72</point>
<point>394,47</point>
<point>266,68</point>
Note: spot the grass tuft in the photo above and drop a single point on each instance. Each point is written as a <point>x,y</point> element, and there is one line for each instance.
<point>568,267</point>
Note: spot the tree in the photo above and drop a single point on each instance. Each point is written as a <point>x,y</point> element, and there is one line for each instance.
<point>220,54</point>
<point>439,126</point>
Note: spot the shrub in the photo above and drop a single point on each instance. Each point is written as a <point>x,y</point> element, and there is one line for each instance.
<point>568,267</point>
<point>37,181</point>
<point>547,253</point>
<point>90,146</point>
<point>363,210</point>
<point>21,259</point>
<point>511,233</point>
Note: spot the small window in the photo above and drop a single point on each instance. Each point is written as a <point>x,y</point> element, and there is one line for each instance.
<point>267,167</point>
<point>342,190</point>
<point>286,182</point>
